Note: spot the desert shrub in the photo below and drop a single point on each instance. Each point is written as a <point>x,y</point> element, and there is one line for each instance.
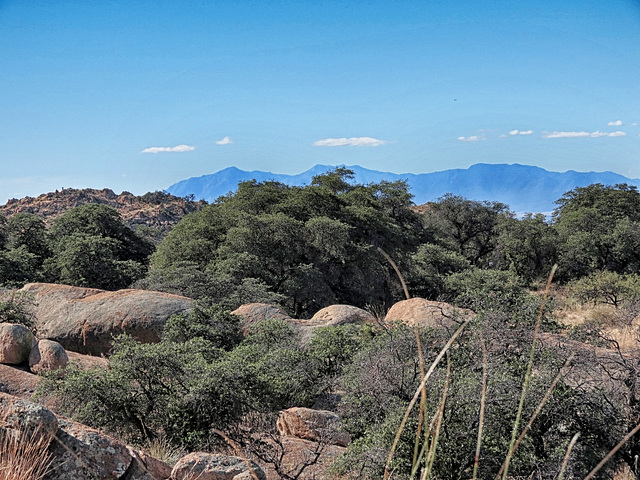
<point>606,287</point>
<point>213,324</point>
<point>182,388</point>
<point>332,348</point>
<point>186,278</point>
<point>16,307</point>
<point>383,377</point>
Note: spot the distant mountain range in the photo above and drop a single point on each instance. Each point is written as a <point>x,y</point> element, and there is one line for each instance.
<point>524,188</point>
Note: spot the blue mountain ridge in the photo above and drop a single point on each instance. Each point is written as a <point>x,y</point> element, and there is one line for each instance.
<point>524,188</point>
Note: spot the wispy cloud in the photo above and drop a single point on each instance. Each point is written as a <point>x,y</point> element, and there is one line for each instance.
<point>617,123</point>
<point>177,148</point>
<point>224,141</point>
<point>472,138</point>
<point>596,134</point>
<point>520,132</point>
<point>349,142</point>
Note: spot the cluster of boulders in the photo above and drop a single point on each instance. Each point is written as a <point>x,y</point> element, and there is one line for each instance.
<point>78,452</point>
<point>72,321</point>
<point>18,346</point>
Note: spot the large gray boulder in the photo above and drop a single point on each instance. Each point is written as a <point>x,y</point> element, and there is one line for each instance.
<point>341,315</point>
<point>15,343</point>
<point>309,424</point>
<point>207,466</point>
<point>85,320</point>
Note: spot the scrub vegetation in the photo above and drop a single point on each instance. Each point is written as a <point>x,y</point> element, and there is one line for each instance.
<point>304,248</point>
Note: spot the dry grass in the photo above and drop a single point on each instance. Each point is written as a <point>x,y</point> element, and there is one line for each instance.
<point>162,449</point>
<point>23,458</point>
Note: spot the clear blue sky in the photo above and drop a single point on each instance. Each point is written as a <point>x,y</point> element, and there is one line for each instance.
<point>90,89</point>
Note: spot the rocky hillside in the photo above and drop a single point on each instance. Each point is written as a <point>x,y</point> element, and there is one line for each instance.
<point>158,210</point>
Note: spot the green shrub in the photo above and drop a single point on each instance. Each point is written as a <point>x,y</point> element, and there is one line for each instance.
<point>606,287</point>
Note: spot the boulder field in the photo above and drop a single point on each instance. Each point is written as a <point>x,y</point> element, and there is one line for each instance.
<point>74,322</point>
<point>78,452</point>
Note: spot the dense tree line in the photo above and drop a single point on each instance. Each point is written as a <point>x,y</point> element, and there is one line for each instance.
<point>308,247</point>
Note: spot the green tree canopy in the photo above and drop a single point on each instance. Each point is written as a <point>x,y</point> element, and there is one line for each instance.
<point>466,226</point>
<point>314,245</point>
<point>599,229</point>
<point>92,247</point>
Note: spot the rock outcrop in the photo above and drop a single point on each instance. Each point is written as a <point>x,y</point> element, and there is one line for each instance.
<point>426,313</point>
<point>17,381</point>
<point>158,210</point>
<point>76,451</point>
<point>145,467</point>
<point>85,320</point>
<point>82,453</point>
<point>206,466</point>
<point>317,425</point>
<point>47,356</point>
<point>341,315</point>
<point>16,342</point>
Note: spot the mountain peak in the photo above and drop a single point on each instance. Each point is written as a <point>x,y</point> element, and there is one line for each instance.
<point>525,188</point>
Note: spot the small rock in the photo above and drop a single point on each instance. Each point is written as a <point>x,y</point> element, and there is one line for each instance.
<point>316,425</point>
<point>145,467</point>
<point>47,356</point>
<point>205,466</point>
<point>15,343</point>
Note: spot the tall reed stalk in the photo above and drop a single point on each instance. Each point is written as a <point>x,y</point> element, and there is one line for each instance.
<point>527,378</point>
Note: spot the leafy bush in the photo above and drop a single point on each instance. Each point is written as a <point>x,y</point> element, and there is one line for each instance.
<point>213,324</point>
<point>15,307</point>
<point>606,287</point>
<point>382,378</point>
<point>182,388</point>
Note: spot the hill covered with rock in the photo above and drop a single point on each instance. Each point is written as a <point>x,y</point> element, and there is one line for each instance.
<point>154,209</point>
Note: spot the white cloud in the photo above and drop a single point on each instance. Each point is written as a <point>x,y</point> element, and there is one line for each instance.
<point>595,134</point>
<point>617,123</point>
<point>350,142</point>
<point>520,132</point>
<point>225,141</point>
<point>177,148</point>
<point>472,138</point>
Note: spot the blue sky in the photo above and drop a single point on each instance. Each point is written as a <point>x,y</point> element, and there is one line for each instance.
<point>137,95</point>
